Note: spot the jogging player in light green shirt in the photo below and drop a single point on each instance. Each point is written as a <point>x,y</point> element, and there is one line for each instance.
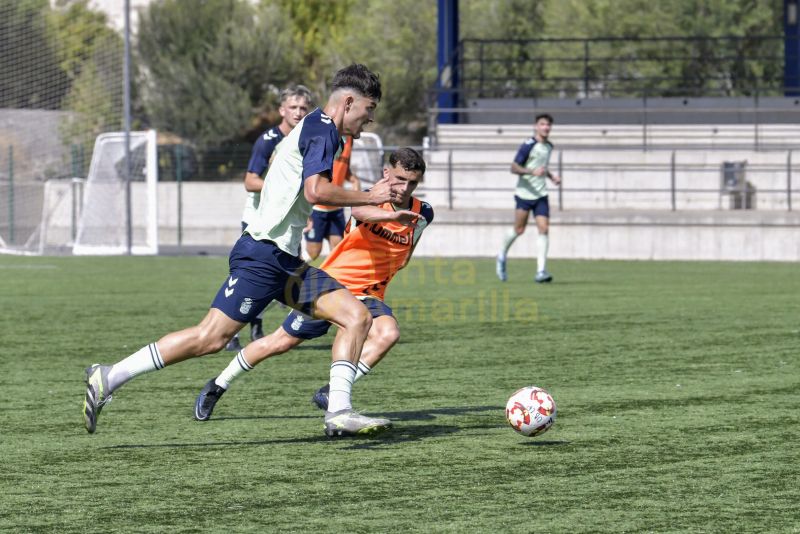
<point>531,165</point>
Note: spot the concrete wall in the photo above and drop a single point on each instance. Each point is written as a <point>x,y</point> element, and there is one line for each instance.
<point>628,235</point>
<point>212,210</point>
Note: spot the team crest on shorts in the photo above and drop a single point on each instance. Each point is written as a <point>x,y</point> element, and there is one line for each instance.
<point>247,303</point>
<point>297,323</point>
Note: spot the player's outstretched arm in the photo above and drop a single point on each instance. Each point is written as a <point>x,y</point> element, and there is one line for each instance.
<point>371,214</point>
<point>318,189</point>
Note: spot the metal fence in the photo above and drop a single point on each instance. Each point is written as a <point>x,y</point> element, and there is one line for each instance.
<point>719,180</point>
<point>745,122</point>
<point>621,66</point>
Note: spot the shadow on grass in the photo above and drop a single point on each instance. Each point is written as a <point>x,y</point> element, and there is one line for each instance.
<point>326,348</point>
<point>415,415</point>
<point>398,435</point>
<point>288,441</point>
<point>395,436</point>
<point>542,443</point>
<point>432,413</point>
<point>254,417</point>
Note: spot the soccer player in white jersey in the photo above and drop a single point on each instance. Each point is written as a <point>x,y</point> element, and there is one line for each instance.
<point>295,103</point>
<point>379,242</point>
<point>531,164</point>
<point>265,263</point>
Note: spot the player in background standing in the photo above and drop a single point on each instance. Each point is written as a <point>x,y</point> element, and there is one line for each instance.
<point>327,222</point>
<point>295,104</point>
<point>265,262</point>
<point>379,242</point>
<point>530,164</point>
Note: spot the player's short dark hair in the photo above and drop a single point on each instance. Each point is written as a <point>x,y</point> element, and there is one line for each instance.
<point>360,79</point>
<point>546,116</point>
<point>409,159</point>
<point>297,90</point>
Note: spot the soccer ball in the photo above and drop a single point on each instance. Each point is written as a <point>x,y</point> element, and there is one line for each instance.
<point>531,411</point>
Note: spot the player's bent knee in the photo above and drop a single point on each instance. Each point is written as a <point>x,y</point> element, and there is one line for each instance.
<point>360,319</point>
<point>390,336</point>
<point>365,320</point>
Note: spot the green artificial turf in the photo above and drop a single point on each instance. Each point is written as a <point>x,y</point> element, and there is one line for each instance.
<point>677,386</point>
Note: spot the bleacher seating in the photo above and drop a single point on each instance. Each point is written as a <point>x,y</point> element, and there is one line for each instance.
<point>610,167</point>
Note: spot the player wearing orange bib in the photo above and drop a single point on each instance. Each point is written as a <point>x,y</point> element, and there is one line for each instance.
<point>373,252</point>
<point>379,242</point>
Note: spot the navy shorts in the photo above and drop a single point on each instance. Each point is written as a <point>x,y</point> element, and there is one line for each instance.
<point>260,272</point>
<point>324,224</point>
<point>540,207</point>
<point>303,327</point>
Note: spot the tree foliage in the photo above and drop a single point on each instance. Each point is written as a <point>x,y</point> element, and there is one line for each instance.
<point>396,39</point>
<point>91,54</point>
<point>623,67</point>
<point>316,26</point>
<point>209,67</point>
<point>30,74</point>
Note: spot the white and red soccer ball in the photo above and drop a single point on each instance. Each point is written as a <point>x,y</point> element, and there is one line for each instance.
<point>531,411</point>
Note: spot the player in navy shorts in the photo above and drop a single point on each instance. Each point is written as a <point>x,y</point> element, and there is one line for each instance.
<point>295,101</point>
<point>380,241</point>
<point>531,167</point>
<point>265,263</point>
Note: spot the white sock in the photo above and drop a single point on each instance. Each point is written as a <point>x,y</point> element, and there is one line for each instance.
<point>541,252</point>
<point>343,374</point>
<point>362,370</point>
<point>237,366</point>
<point>142,361</point>
<point>511,236</point>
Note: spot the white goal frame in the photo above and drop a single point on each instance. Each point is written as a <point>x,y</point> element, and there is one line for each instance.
<point>104,194</point>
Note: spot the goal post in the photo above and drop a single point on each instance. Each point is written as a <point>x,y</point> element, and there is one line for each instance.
<point>103,225</point>
<point>367,158</point>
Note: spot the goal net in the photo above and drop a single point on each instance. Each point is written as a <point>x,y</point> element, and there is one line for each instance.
<point>60,69</point>
<point>87,216</point>
<point>367,158</point>
<point>103,226</point>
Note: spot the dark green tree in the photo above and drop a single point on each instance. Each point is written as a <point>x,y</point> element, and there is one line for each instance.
<point>396,39</point>
<point>30,75</point>
<point>90,52</point>
<point>209,67</point>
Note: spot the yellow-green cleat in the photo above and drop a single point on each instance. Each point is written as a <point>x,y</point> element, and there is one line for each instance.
<point>97,394</point>
<point>350,423</point>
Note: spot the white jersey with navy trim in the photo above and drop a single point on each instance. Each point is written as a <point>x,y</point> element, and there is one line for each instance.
<point>283,212</point>
<point>532,155</point>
